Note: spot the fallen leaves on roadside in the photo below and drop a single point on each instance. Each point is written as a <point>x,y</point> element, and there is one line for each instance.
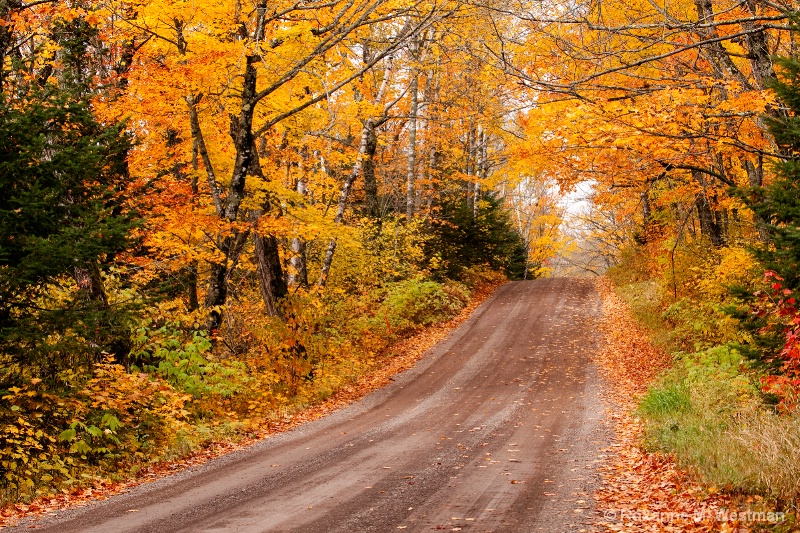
<point>641,491</point>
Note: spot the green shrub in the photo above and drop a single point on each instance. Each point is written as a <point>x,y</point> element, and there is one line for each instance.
<point>461,238</point>
<point>185,363</point>
<point>415,303</point>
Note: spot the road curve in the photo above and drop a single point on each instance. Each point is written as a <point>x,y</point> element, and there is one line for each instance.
<point>496,429</point>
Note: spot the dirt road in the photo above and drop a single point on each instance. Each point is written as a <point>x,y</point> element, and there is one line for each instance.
<point>496,429</point>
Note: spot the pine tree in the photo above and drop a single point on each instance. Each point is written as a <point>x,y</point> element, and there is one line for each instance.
<point>778,203</point>
<point>463,238</point>
<point>60,217</point>
<point>777,209</point>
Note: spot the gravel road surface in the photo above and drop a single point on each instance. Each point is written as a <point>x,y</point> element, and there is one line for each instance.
<point>497,429</point>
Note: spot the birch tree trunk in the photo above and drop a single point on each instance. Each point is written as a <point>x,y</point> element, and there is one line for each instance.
<point>366,152</point>
<point>298,271</point>
<point>342,204</point>
<point>480,169</point>
<point>469,168</point>
<point>412,148</point>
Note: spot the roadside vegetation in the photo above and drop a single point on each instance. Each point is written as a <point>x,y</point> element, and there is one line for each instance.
<point>712,410</point>
<point>726,410</point>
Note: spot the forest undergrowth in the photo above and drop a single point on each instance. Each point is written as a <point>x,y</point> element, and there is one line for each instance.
<point>702,442</point>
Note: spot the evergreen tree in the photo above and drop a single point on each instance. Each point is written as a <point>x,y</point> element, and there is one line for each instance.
<point>777,206</point>
<point>60,216</point>
<point>464,238</point>
<point>778,203</point>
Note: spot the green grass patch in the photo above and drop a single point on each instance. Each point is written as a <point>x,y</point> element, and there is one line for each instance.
<point>707,412</point>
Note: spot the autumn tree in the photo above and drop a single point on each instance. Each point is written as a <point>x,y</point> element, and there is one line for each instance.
<point>246,71</point>
<point>778,203</point>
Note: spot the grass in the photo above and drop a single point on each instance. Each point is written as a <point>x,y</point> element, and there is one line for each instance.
<point>714,427</point>
<point>707,411</point>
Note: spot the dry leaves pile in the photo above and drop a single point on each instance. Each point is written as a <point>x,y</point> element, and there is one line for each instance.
<point>644,492</point>
<point>398,357</point>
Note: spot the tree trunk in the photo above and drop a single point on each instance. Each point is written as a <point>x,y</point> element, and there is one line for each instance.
<point>216,295</point>
<point>469,169</point>
<point>480,169</point>
<point>231,247</point>
<point>372,206</point>
<point>758,48</point>
<point>90,285</point>
<point>647,216</point>
<point>266,253</point>
<point>755,174</point>
<point>708,224</point>
<point>412,148</point>
<point>270,273</point>
<point>755,177</point>
<point>342,205</point>
<point>242,126</point>
<point>366,151</point>
<point>432,100</point>
<point>715,52</point>
<point>298,271</point>
<point>192,277</point>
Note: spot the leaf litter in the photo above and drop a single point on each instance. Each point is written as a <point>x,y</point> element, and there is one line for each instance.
<point>643,491</point>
